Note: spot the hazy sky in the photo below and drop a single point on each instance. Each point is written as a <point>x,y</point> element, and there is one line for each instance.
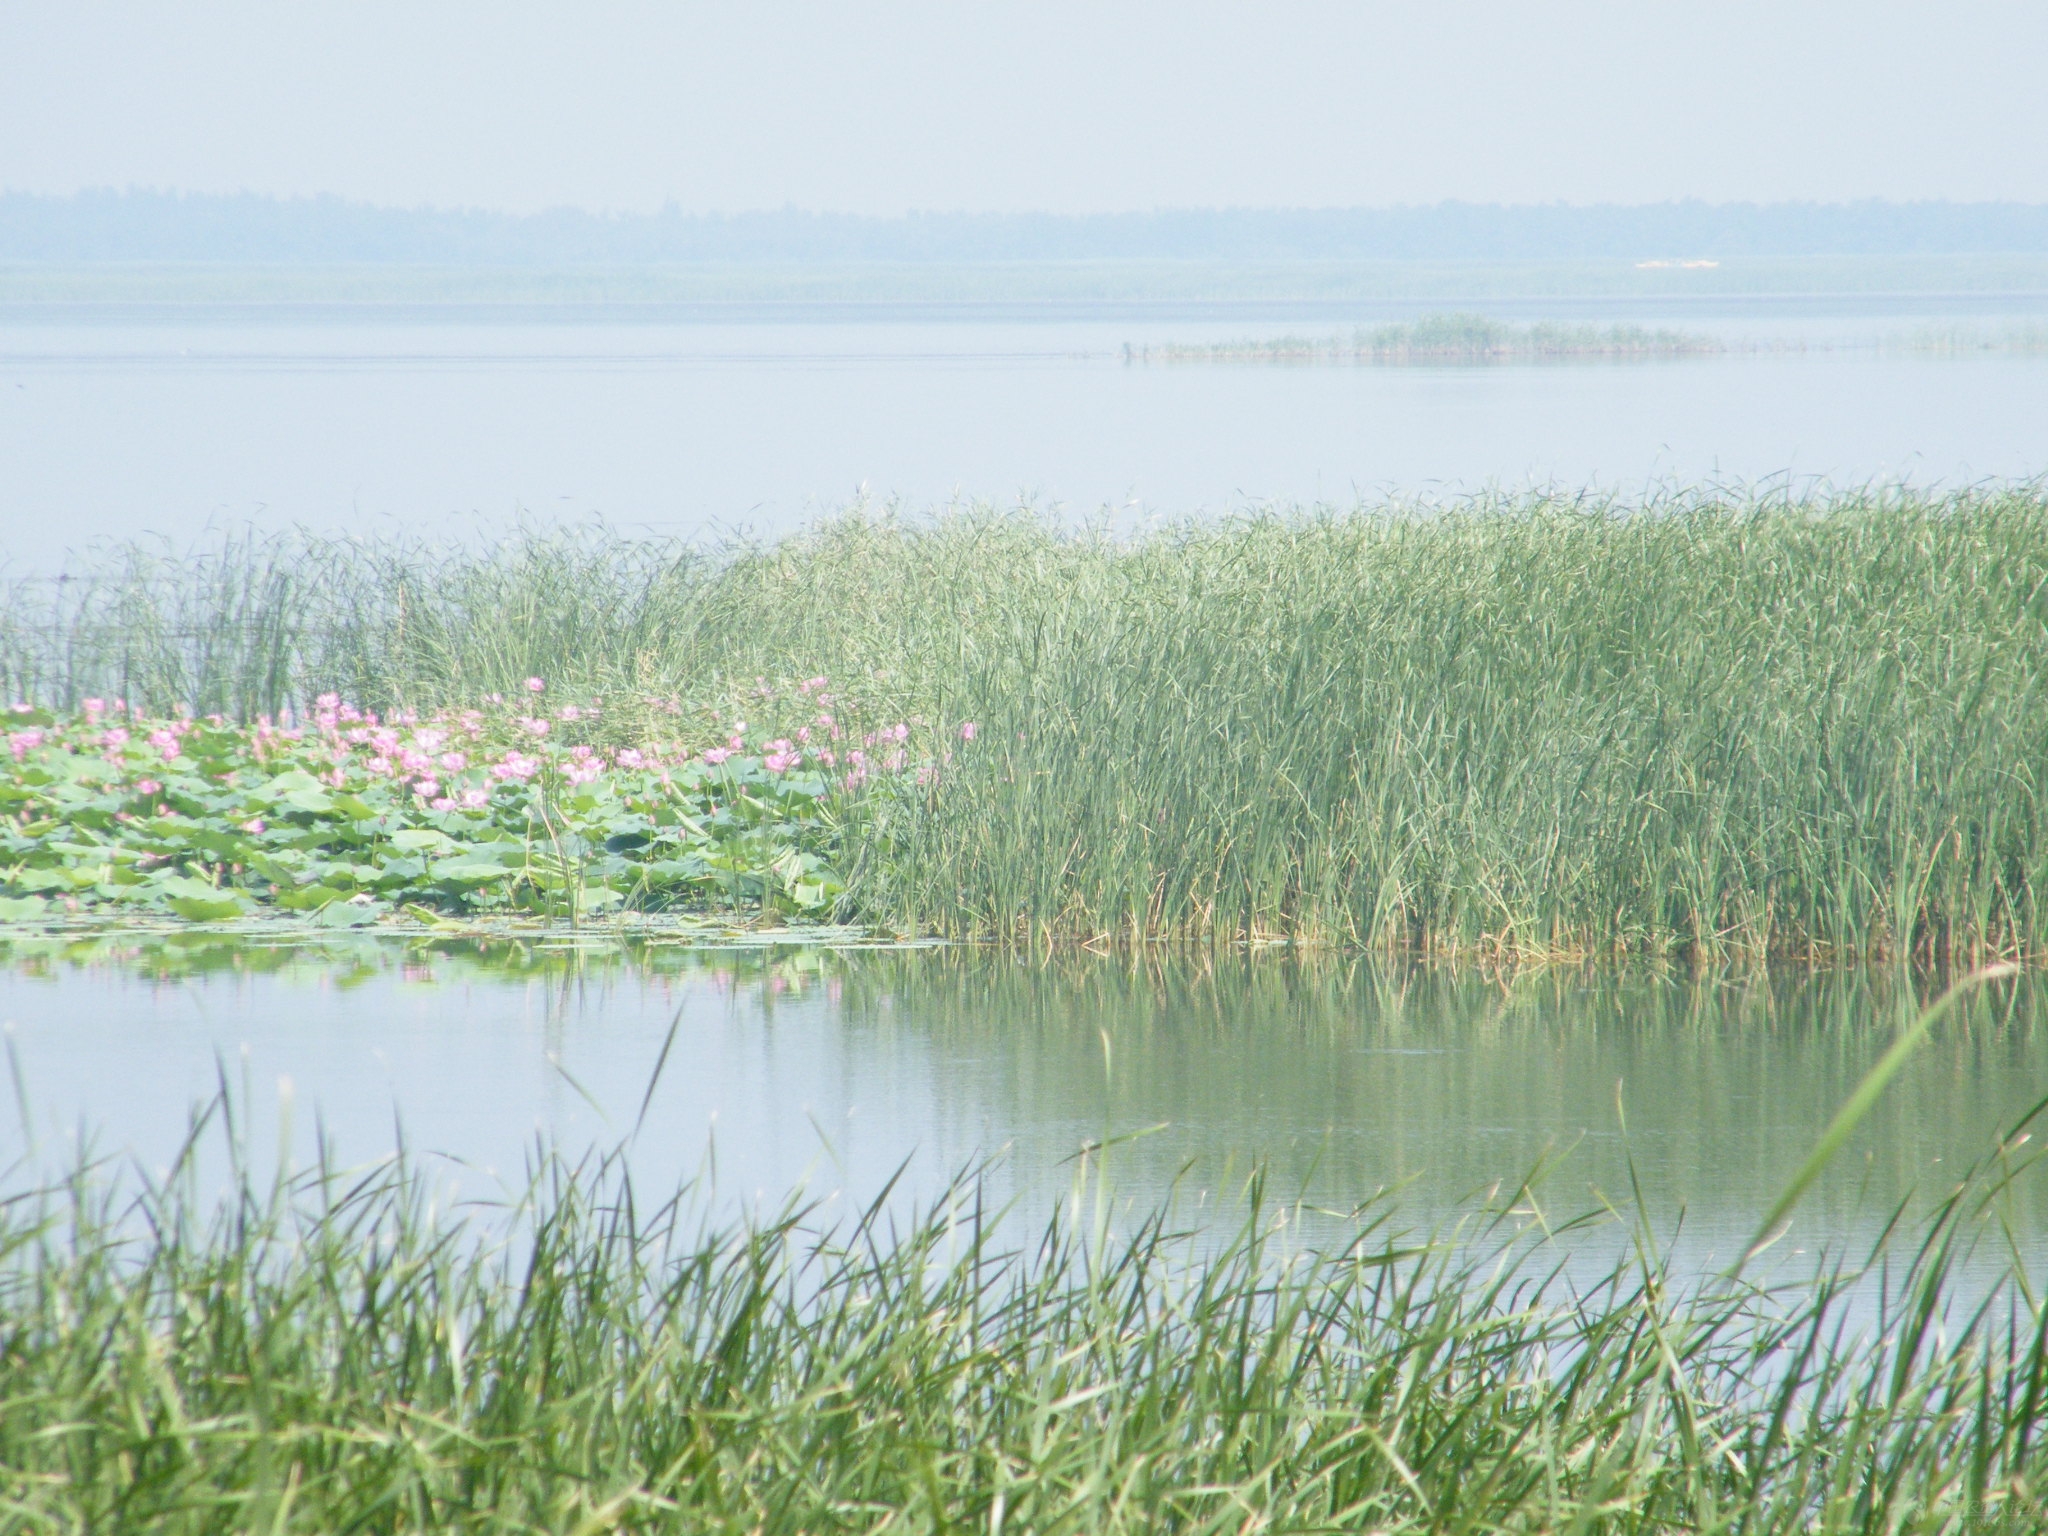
<point>1069,107</point>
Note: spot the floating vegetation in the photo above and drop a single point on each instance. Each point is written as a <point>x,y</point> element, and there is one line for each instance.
<point>1450,338</point>
<point>345,817</point>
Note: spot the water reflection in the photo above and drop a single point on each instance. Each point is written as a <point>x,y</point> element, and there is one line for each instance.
<point>836,1065</point>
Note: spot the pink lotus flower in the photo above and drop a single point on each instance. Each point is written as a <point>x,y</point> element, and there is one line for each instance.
<point>583,770</point>
<point>147,786</point>
<point>781,762</point>
<point>441,803</point>
<point>378,765</point>
<point>454,762</point>
<point>253,826</point>
<point>94,708</point>
<point>515,767</point>
<point>475,799</point>
<point>114,738</point>
<point>716,755</point>
<point>631,757</point>
<point>968,730</point>
<point>427,789</point>
<point>535,727</point>
<point>165,742</point>
<point>535,685</point>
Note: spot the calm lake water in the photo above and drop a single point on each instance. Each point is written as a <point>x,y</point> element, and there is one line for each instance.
<point>833,1068</point>
<point>838,1067</point>
<point>146,421</point>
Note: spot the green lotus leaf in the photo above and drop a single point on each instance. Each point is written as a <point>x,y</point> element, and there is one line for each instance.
<point>309,898</point>
<point>463,870</point>
<point>199,909</point>
<point>422,840</point>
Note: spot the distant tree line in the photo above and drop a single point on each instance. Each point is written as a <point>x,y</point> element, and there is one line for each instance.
<point>169,226</point>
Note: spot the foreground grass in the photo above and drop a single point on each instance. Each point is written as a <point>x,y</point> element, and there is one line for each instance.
<point>1529,726</point>
<point>332,1353</point>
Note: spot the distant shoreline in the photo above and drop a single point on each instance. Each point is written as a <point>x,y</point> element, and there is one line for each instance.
<point>1282,291</point>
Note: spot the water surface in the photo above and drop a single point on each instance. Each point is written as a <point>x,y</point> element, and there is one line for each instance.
<point>834,1068</point>
<point>163,421</point>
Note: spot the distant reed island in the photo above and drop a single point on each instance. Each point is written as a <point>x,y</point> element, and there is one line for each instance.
<point>1532,726</point>
<point>1452,338</point>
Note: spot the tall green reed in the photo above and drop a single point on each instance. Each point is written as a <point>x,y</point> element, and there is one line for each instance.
<point>1533,724</point>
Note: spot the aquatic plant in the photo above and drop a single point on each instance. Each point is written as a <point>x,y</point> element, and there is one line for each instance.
<point>345,815</point>
<point>1541,724</point>
<point>333,1350</point>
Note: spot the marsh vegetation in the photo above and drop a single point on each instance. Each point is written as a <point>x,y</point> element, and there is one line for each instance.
<point>1523,725</point>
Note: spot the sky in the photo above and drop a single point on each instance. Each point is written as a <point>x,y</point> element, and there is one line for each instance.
<point>1066,107</point>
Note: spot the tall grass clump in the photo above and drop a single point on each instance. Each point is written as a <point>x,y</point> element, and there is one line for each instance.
<point>1528,726</point>
<point>1766,725</point>
<point>252,623</point>
<point>331,1352</point>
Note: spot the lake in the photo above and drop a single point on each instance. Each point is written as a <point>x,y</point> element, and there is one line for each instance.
<point>128,420</point>
<point>834,1066</point>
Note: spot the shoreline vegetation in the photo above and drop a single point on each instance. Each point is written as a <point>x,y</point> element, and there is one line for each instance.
<point>1534,726</point>
<point>1459,338</point>
<point>336,1348</point>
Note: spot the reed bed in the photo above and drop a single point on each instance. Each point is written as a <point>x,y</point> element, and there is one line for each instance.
<point>1535,725</point>
<point>1438,339</point>
<point>330,1351</point>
